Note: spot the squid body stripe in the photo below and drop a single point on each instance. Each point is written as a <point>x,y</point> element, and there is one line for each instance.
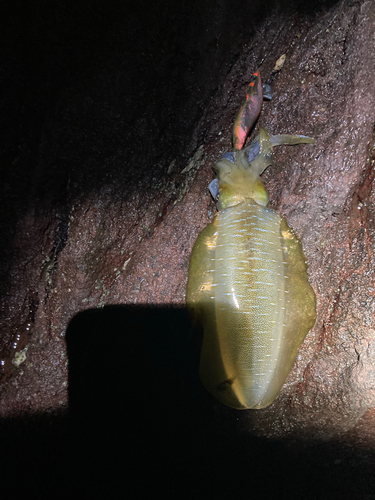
<point>247,321</point>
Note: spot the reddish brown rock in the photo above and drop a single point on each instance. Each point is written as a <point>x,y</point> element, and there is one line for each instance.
<point>111,219</point>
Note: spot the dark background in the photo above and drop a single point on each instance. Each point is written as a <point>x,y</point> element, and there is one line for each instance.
<point>170,57</point>
<point>140,424</point>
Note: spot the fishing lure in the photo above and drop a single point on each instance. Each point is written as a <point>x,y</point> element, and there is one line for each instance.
<point>247,284</point>
<point>250,109</point>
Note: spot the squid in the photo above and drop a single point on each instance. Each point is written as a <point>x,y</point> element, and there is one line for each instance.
<point>247,283</point>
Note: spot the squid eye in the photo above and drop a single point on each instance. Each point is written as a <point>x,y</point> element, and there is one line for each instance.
<point>214,190</point>
<point>228,156</point>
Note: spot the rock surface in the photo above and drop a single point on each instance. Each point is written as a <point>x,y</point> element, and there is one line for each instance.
<point>107,160</point>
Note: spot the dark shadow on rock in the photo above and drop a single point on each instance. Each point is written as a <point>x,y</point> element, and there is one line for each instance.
<point>135,398</point>
<point>144,420</point>
<point>139,421</point>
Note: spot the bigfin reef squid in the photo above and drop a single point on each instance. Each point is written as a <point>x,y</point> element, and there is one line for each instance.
<point>247,282</point>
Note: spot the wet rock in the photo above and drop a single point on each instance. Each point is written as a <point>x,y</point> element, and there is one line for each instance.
<point>101,218</point>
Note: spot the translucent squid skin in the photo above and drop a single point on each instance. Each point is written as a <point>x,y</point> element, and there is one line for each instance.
<point>248,289</point>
